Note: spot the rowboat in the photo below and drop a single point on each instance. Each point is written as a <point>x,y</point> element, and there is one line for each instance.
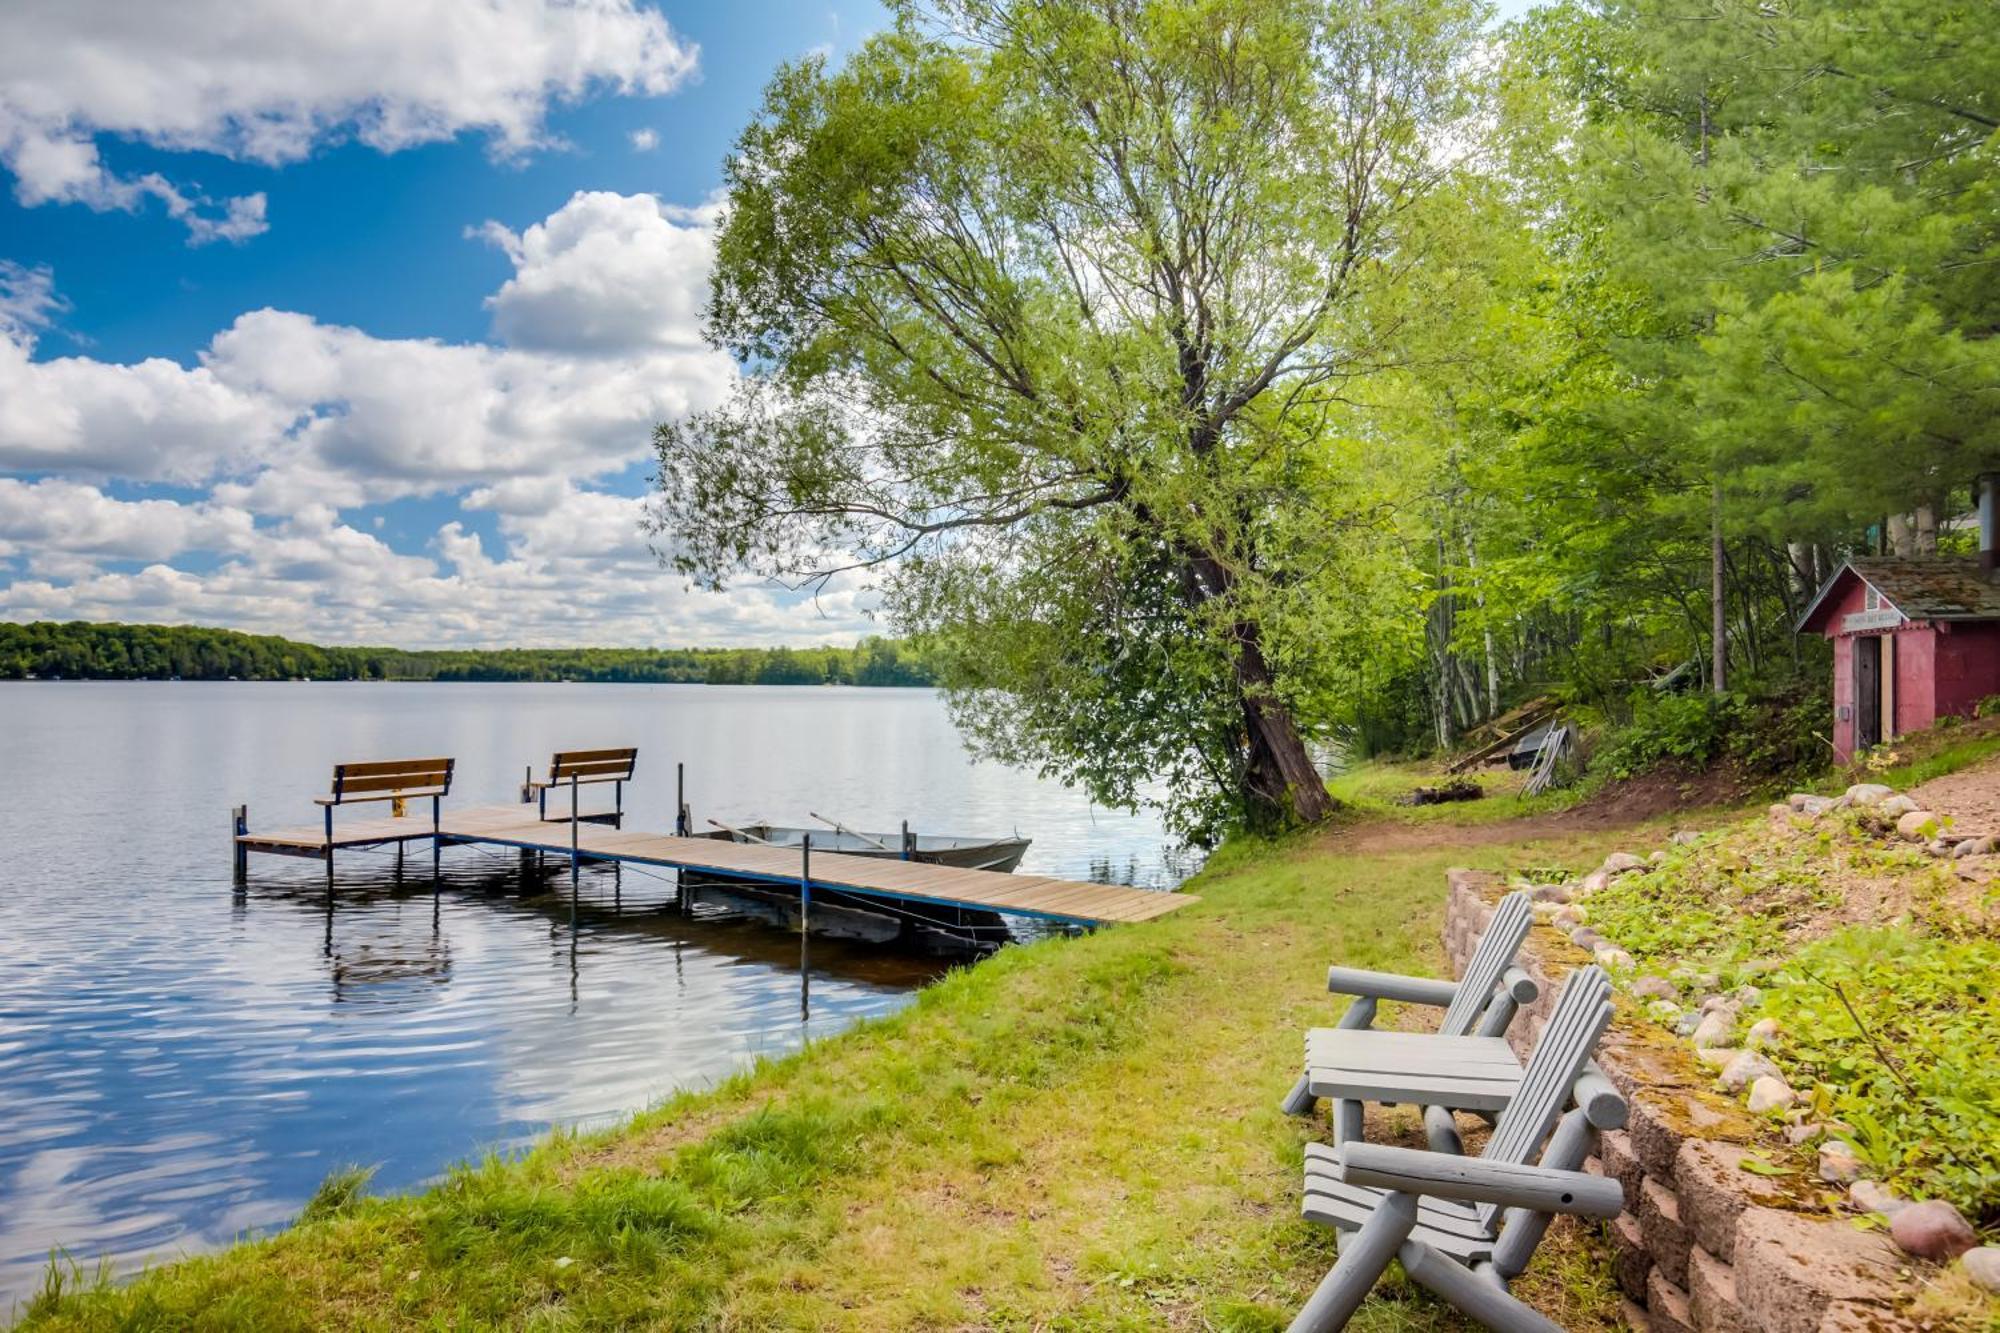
<point>997,854</point>
<point>838,915</point>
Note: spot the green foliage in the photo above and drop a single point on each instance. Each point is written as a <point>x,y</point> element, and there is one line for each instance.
<point>1767,737</point>
<point>84,651</point>
<point>1891,1032</point>
<point>1056,310</point>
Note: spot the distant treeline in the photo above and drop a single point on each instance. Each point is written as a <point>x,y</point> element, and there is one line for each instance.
<point>82,651</point>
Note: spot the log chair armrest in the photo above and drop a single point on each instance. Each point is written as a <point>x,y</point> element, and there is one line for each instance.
<point>1389,986</point>
<point>1601,1102</point>
<point>1519,985</point>
<point>1475,1180</point>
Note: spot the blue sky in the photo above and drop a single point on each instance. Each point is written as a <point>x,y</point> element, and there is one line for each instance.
<point>354,331</point>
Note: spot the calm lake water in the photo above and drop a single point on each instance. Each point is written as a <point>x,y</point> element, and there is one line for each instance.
<point>181,1062</point>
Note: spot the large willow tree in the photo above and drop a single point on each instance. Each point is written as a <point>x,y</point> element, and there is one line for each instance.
<point>1043,307</point>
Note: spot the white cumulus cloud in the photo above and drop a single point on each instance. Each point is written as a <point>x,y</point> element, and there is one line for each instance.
<point>269,80</point>
<point>285,425</point>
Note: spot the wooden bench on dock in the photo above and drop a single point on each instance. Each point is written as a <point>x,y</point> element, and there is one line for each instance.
<point>395,780</point>
<point>575,768</point>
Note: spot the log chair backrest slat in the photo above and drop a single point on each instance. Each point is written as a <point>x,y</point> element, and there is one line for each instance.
<point>1494,956</point>
<point>1581,1014</point>
<point>385,778</point>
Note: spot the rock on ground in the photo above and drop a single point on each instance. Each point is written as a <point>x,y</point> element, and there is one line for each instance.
<point>1933,1230</point>
<point>1983,1267</point>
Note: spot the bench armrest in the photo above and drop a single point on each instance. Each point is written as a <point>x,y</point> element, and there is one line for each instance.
<point>1519,985</point>
<point>1390,986</point>
<point>410,794</point>
<point>1476,1180</point>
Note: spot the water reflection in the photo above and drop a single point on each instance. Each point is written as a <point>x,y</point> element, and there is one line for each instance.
<point>183,1059</point>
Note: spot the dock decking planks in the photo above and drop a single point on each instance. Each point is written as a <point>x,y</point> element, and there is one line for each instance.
<point>517,826</point>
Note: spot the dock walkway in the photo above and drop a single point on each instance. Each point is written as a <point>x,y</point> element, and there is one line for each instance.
<point>517,826</point>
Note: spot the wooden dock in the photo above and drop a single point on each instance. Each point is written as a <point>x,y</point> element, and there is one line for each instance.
<point>518,826</point>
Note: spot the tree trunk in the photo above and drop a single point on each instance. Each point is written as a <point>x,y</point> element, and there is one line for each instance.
<point>1279,784</point>
<point>1718,624</point>
<point>1279,774</point>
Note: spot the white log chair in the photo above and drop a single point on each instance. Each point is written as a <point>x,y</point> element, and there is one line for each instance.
<point>1463,1227</point>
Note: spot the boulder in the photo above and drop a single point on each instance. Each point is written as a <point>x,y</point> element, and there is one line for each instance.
<point>1544,913</point>
<point>1983,1267</point>
<point>1938,847</point>
<point>1933,1230</point>
<point>1716,1057</point>
<point>1893,807</point>
<point>1917,825</point>
<point>1984,846</point>
<point>1715,1028</point>
<point>1682,837</point>
<point>1621,863</point>
<point>1590,884</point>
<point>1551,893</point>
<point>1763,1033</point>
<point>1583,937</point>
<point>1778,810</point>
<point>1613,959</point>
<point>1838,1163</point>
<point>1797,800</point>
<point>1655,988</point>
<point>1769,1093</point>
<point>1872,1196</point>
<point>1569,917</point>
<point>1745,1068</point>
<point>1869,793</point>
<point>1665,1011</point>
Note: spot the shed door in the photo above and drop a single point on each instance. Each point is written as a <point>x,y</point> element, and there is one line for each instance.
<point>1867,691</point>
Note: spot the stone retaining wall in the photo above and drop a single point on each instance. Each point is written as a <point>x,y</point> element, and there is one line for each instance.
<point>1702,1243</point>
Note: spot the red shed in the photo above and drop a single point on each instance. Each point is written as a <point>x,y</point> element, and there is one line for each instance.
<point>1913,641</point>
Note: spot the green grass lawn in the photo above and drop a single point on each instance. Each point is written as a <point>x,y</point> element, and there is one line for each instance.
<point>1076,1134</point>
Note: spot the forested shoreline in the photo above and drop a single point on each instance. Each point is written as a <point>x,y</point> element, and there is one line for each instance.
<point>1202,410</point>
<point>78,650</point>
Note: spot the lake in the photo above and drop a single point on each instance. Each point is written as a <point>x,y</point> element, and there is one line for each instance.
<point>182,1061</point>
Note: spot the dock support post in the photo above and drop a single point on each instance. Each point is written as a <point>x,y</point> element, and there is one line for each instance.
<point>437,848</point>
<point>239,855</point>
<point>805,925</point>
<point>906,841</point>
<point>527,783</point>
<point>574,859</point>
<point>680,801</point>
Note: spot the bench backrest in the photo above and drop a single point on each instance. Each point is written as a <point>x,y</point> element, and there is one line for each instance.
<point>1582,1012</point>
<point>1494,956</point>
<point>592,766</point>
<point>384,779</point>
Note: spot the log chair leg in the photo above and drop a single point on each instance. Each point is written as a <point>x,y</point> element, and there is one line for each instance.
<point>1363,1257</point>
<point>1344,1120</point>
<point>1488,1303</point>
<point>1442,1131</point>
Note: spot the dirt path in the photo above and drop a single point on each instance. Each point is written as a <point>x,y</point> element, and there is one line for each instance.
<point>1971,797</point>
<point>1618,806</point>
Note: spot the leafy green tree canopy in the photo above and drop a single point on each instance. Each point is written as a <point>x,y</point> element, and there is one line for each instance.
<point>1044,305</point>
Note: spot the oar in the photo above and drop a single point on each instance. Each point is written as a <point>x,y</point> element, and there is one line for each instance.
<point>741,833</point>
<point>839,827</point>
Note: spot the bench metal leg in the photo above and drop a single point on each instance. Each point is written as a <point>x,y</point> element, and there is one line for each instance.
<point>1299,1101</point>
<point>1363,1258</point>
